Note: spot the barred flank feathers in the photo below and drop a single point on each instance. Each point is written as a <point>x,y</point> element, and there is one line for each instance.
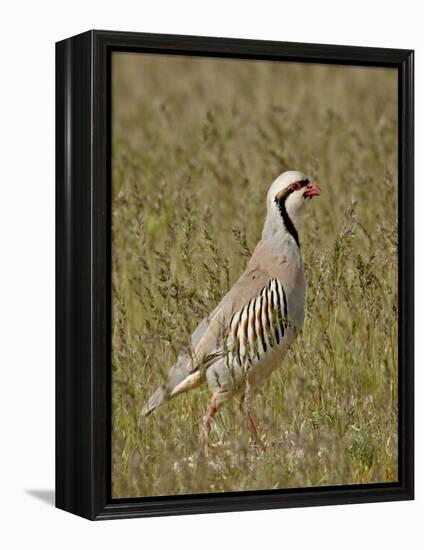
<point>259,326</point>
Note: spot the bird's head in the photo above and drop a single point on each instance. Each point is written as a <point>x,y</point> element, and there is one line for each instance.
<point>286,199</point>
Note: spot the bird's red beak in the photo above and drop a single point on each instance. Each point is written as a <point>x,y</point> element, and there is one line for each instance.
<point>312,190</point>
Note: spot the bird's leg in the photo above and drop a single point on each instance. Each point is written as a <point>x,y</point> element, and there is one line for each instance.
<point>208,419</point>
<point>250,423</point>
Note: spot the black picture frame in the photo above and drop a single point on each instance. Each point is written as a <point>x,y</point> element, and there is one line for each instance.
<point>83,218</point>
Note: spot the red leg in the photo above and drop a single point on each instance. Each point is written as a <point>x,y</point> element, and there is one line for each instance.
<point>251,424</point>
<point>208,419</point>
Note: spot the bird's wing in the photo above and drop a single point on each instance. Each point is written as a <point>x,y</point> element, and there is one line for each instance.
<point>205,340</point>
<point>207,346</point>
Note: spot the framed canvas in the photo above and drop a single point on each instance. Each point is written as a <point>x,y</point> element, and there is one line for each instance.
<point>234,244</point>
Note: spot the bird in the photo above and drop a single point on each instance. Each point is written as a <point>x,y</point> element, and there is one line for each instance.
<point>245,338</point>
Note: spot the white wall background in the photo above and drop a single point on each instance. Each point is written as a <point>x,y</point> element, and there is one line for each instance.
<point>28,33</point>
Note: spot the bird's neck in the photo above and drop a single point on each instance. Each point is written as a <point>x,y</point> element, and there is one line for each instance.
<point>282,231</point>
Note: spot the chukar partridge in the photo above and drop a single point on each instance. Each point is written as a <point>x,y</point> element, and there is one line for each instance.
<point>248,334</point>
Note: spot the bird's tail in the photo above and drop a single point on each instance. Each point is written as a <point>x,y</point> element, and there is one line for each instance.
<point>179,381</point>
<point>160,396</point>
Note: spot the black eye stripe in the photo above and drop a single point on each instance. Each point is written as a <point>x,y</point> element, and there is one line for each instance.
<point>302,183</point>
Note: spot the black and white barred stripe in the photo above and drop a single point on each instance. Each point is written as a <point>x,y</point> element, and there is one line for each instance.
<point>258,327</point>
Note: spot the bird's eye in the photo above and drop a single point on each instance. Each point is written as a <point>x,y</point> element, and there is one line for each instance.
<point>296,186</point>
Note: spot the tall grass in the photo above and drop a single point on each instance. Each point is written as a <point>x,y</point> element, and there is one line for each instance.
<point>196,143</point>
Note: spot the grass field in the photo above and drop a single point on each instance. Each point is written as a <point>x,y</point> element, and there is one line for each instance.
<point>196,144</point>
